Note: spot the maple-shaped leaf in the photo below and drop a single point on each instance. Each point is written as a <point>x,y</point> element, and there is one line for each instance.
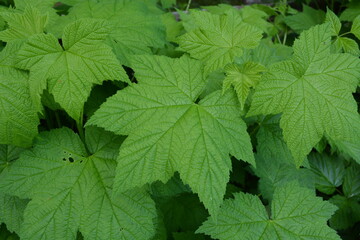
<point>242,77</point>
<point>18,117</point>
<point>23,25</point>
<point>313,91</point>
<point>11,207</point>
<point>69,185</point>
<point>218,39</point>
<point>169,132</point>
<point>296,213</point>
<point>134,26</point>
<point>68,72</point>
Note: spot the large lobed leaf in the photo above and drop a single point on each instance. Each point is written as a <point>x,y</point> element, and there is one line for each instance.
<point>169,132</point>
<point>218,39</point>
<point>296,213</point>
<point>313,91</point>
<point>70,71</point>
<point>70,187</point>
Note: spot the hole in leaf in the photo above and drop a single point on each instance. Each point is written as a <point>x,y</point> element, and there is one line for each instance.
<point>64,159</point>
<point>71,159</point>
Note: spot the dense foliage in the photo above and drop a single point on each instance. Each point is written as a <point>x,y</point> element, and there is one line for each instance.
<point>134,119</point>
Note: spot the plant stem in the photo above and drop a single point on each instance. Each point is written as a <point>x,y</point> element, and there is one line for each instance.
<point>344,34</point>
<point>188,6</point>
<point>285,36</point>
<point>80,127</point>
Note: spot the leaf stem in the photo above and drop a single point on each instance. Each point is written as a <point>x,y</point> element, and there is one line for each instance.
<point>80,127</point>
<point>344,34</point>
<point>188,6</point>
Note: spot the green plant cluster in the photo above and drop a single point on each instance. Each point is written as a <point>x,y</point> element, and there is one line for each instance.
<point>135,120</point>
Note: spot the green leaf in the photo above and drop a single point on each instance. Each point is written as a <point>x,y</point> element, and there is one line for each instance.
<point>313,91</point>
<point>168,3</point>
<point>134,26</point>
<point>355,28</point>
<point>256,18</point>
<point>218,39</point>
<point>182,213</point>
<point>274,173</point>
<point>347,214</point>
<point>70,188</point>
<point>351,12</point>
<point>266,54</point>
<point>306,19</point>
<point>69,72</point>
<point>348,45</point>
<point>242,78</point>
<point>351,186</point>
<point>296,213</point>
<point>329,172</point>
<point>18,118</point>
<point>44,6</point>
<point>168,132</point>
<point>335,24</point>
<point>11,207</point>
<point>23,25</point>
<point>270,142</point>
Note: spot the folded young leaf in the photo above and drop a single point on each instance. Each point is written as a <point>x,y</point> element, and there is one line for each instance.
<point>70,71</point>
<point>242,78</point>
<point>218,39</point>
<point>313,90</point>
<point>70,187</point>
<point>296,213</point>
<point>169,132</point>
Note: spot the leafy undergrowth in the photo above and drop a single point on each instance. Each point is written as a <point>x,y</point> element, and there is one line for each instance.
<point>120,121</point>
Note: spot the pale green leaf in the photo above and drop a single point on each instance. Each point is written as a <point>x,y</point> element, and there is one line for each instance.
<point>18,117</point>
<point>168,132</point>
<point>296,213</point>
<point>70,189</point>
<point>135,26</point>
<point>351,186</point>
<point>335,24</point>
<point>355,28</point>
<point>218,39</point>
<point>306,19</point>
<point>313,91</point>
<point>266,54</point>
<point>347,214</point>
<point>23,25</point>
<point>44,6</point>
<point>242,77</point>
<point>347,45</point>
<point>69,72</point>
<point>329,172</point>
<point>257,18</point>
<point>351,12</point>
